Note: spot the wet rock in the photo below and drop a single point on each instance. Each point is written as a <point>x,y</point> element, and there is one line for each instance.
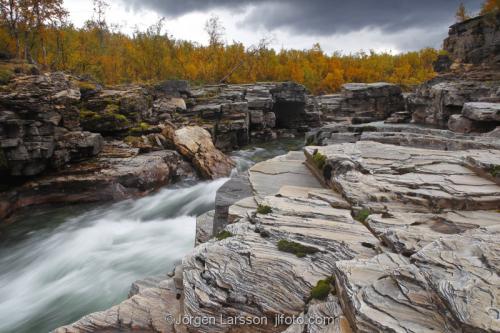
<point>204,227</point>
<point>119,173</point>
<point>195,144</point>
<point>234,190</point>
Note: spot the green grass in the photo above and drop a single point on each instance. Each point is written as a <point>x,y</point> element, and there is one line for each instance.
<point>319,160</point>
<point>322,289</point>
<point>264,210</point>
<point>363,215</point>
<point>495,170</point>
<point>223,235</point>
<point>5,76</point>
<point>138,130</point>
<point>86,86</point>
<point>295,248</point>
<point>87,114</point>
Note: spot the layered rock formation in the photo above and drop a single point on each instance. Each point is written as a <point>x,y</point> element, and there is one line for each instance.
<point>118,173</point>
<point>420,252</point>
<point>236,114</point>
<point>476,118</point>
<point>39,125</point>
<point>475,41</point>
<point>438,100</point>
<point>473,49</point>
<point>57,132</point>
<point>376,228</point>
<point>362,103</point>
<point>400,134</point>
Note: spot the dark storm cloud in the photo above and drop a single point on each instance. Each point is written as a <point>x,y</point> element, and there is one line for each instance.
<point>322,17</point>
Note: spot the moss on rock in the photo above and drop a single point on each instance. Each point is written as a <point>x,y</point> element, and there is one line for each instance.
<point>319,160</point>
<point>495,170</point>
<point>109,121</point>
<point>296,248</point>
<point>363,214</point>
<point>264,210</point>
<point>322,289</point>
<point>141,129</point>
<point>223,235</point>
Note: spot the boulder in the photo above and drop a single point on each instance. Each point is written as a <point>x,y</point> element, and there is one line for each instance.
<point>195,144</point>
<point>482,111</point>
<point>460,124</point>
<point>172,88</point>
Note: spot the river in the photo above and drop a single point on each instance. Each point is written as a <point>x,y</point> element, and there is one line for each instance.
<point>59,264</point>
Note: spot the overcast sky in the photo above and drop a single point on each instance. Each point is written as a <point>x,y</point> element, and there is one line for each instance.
<point>338,25</point>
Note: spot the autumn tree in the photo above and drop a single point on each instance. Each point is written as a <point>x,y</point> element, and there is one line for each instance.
<point>490,6</point>
<point>112,57</point>
<point>215,30</point>
<point>10,14</point>
<point>462,14</point>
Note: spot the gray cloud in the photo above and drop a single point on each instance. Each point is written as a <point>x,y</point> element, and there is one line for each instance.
<point>321,16</point>
<point>328,17</point>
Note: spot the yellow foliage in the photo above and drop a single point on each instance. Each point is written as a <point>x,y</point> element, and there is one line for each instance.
<point>115,58</point>
<point>490,6</point>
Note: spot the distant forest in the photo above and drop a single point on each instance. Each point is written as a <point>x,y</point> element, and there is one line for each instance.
<point>38,32</point>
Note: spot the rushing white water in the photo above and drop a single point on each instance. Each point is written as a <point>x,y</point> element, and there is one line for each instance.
<point>88,262</point>
<point>60,264</point>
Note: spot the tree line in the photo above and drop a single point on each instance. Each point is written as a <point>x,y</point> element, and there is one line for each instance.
<point>38,31</point>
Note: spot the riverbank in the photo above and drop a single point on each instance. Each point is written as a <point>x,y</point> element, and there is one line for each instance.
<point>59,264</point>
